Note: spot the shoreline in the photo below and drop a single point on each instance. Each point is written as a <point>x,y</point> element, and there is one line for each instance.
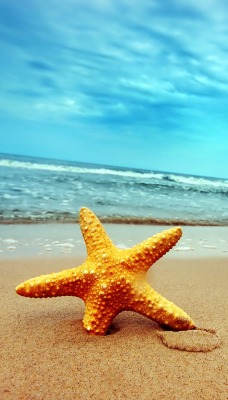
<point>56,240</point>
<point>118,221</point>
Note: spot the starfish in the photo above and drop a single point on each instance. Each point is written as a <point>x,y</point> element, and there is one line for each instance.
<point>112,280</point>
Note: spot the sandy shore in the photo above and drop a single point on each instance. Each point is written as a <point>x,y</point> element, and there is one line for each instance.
<point>46,354</point>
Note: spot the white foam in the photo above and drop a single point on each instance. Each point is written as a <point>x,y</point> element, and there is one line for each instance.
<point>121,246</point>
<point>81,170</point>
<point>184,248</point>
<point>9,196</point>
<point>65,244</point>
<point>10,241</point>
<point>199,181</point>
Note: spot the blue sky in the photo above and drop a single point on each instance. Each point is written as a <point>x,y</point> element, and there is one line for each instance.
<point>119,82</point>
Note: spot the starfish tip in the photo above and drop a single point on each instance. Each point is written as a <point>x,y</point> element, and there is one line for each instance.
<point>178,230</point>
<point>19,288</point>
<point>83,210</point>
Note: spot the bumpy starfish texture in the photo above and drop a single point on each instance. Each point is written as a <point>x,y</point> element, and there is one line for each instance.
<point>112,280</point>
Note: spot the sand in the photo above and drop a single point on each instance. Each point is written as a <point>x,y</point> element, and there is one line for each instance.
<point>46,353</point>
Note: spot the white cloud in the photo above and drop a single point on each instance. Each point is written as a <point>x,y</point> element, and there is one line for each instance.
<point>117,64</point>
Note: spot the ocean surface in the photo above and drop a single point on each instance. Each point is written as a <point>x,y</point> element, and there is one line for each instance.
<point>44,190</point>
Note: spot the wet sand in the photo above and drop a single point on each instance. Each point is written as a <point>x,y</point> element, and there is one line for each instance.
<point>46,353</point>
<point>48,240</point>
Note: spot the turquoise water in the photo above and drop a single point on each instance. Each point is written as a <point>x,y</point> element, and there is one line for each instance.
<point>34,189</point>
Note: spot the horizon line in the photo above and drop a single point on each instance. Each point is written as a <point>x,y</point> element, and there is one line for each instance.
<point>113,166</point>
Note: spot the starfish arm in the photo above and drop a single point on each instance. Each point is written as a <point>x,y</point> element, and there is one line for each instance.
<point>143,255</point>
<point>93,232</point>
<point>98,318</point>
<point>73,282</point>
<point>152,305</point>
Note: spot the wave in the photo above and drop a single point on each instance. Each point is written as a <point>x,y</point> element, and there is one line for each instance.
<point>77,169</point>
<point>197,181</point>
<point>141,177</point>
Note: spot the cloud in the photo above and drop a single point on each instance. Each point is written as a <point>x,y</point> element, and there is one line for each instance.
<point>141,66</point>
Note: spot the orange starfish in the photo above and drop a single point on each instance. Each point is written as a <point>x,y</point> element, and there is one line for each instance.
<point>112,280</point>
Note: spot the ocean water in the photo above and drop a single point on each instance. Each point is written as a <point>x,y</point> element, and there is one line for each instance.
<point>41,190</point>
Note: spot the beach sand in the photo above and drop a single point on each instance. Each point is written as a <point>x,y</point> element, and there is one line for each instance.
<point>46,353</point>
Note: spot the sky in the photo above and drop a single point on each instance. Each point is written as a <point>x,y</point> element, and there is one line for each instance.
<point>130,83</point>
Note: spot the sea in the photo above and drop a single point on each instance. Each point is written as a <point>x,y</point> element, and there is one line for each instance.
<point>38,190</point>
